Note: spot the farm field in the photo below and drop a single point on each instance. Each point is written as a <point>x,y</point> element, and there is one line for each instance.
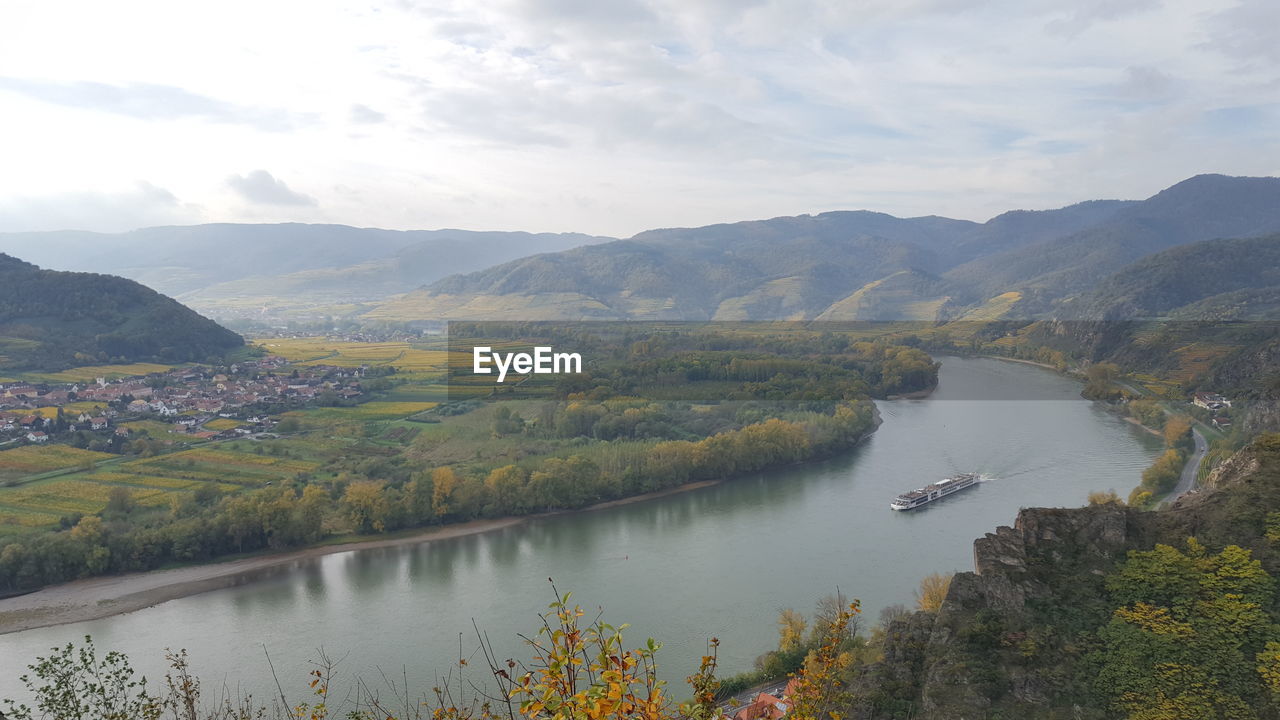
<point>152,482</point>
<point>93,372</point>
<point>220,465</point>
<point>35,459</point>
<point>366,412</point>
<point>322,351</point>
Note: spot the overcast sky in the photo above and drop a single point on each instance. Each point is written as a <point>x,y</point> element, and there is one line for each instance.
<point>612,117</point>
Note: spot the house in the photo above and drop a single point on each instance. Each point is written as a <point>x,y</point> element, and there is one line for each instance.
<point>138,406</point>
<point>37,436</point>
<point>122,432</point>
<point>1222,422</point>
<point>164,410</point>
<point>98,423</point>
<point>1210,401</point>
<point>764,706</point>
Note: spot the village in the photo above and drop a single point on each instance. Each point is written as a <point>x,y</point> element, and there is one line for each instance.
<point>188,399</point>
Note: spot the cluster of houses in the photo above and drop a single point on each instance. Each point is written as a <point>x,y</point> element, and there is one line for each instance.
<point>1216,404</point>
<point>188,397</point>
<point>773,704</point>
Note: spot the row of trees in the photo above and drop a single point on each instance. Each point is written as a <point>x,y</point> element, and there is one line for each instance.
<point>1164,473</point>
<point>207,525</point>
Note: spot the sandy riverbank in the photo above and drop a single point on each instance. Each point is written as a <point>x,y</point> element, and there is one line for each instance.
<point>101,597</point>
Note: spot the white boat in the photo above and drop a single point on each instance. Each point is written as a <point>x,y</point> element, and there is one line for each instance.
<point>938,490</point>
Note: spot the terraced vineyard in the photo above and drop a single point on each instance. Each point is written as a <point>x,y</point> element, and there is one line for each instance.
<point>30,503</point>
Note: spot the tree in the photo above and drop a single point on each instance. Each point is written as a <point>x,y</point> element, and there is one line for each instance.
<point>366,506</point>
<point>1177,431</point>
<point>73,682</point>
<point>933,590</point>
<point>119,500</point>
<point>1190,635</point>
<point>444,482</point>
<point>506,487</point>
<point>791,627</point>
<point>1104,497</point>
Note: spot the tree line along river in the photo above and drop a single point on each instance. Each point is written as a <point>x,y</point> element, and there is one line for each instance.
<point>718,561</point>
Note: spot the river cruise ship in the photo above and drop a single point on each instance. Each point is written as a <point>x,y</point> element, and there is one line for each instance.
<point>940,489</point>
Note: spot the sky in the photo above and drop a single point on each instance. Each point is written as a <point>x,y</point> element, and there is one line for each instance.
<point>615,116</point>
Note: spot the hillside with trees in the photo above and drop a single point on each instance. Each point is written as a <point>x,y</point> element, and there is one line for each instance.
<point>52,320</point>
<point>1232,279</point>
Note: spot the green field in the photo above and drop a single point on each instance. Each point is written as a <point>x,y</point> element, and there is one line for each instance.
<point>36,459</point>
<point>93,372</point>
<point>32,503</point>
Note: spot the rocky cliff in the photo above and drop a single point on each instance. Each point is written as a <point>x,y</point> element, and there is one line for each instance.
<point>1011,638</point>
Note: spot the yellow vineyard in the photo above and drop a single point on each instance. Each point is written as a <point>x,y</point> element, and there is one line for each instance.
<point>34,459</point>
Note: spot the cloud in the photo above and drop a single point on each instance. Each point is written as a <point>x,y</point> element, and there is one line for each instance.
<point>1247,32</point>
<point>365,115</point>
<point>144,101</point>
<point>1086,13</point>
<point>611,117</point>
<point>261,188</point>
<point>142,205</point>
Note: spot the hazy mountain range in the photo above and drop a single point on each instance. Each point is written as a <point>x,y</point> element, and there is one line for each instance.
<point>1089,260</point>
<point>857,265</point>
<point>219,268</point>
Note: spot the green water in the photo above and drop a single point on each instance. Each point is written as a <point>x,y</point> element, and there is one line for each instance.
<point>720,561</point>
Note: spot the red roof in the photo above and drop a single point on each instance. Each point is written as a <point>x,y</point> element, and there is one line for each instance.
<point>764,706</point>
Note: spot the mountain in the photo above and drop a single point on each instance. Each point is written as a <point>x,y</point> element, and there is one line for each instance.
<point>225,266</point>
<point>1204,207</point>
<point>1229,279</point>
<point>836,265</point>
<point>52,320</point>
<point>1205,309</point>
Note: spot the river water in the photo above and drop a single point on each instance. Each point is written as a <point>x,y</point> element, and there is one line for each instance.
<point>719,561</point>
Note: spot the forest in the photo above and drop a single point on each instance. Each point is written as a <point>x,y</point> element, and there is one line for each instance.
<point>53,320</point>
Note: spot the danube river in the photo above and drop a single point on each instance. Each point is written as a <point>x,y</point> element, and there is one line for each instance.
<point>719,561</point>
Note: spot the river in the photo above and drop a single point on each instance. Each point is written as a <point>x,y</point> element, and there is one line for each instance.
<point>719,561</point>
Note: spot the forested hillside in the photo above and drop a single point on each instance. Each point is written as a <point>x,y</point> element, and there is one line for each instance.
<point>1204,207</point>
<point>50,320</point>
<point>1210,280</point>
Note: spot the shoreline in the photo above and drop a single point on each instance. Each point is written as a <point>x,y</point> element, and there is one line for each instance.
<point>101,597</point>
<point>1046,366</point>
<point>96,598</point>
<point>916,394</point>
